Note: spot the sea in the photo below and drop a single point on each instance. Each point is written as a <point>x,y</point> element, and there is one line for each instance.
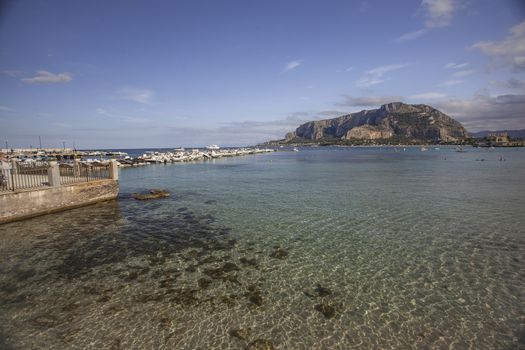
<point>325,248</point>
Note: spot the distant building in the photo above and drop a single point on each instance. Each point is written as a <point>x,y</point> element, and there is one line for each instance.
<point>499,139</point>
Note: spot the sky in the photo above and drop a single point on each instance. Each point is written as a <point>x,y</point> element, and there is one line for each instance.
<point>151,73</point>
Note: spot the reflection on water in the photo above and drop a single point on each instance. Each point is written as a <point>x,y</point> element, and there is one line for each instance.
<point>317,249</point>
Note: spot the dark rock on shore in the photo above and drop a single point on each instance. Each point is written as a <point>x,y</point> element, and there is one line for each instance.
<point>260,344</point>
<point>153,194</point>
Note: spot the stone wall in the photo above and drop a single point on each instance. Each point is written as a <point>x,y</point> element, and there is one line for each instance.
<point>33,202</point>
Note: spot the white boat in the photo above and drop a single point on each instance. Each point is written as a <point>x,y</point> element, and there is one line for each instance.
<point>295,149</point>
<point>423,149</point>
<point>460,149</point>
<point>180,149</point>
<point>213,147</point>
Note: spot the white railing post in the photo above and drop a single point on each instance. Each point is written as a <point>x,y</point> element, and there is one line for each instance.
<point>14,166</point>
<point>53,174</point>
<point>76,168</point>
<point>113,169</point>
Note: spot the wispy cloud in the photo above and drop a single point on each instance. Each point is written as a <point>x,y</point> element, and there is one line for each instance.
<point>411,35</point>
<point>453,65</point>
<point>45,77</point>
<point>368,101</point>
<point>376,75</point>
<point>439,13</point>
<point>346,70</point>
<point>463,73</point>
<point>483,111</point>
<point>452,82</point>
<point>143,96</point>
<point>428,96</point>
<point>510,51</point>
<point>292,65</point>
<point>512,83</point>
<point>13,73</point>
<point>106,113</point>
<point>102,111</point>
<point>5,109</point>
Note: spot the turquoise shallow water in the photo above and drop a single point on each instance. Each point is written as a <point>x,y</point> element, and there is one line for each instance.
<point>326,248</point>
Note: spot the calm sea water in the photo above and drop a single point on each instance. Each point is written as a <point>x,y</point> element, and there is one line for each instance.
<point>327,248</point>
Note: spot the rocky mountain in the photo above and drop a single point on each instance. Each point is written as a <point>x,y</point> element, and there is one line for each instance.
<point>391,121</point>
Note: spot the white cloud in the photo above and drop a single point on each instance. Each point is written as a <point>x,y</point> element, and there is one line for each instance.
<point>137,95</point>
<point>509,51</point>
<point>5,109</point>
<point>376,75</point>
<point>512,83</point>
<point>427,96</point>
<point>411,35</point>
<point>463,73</point>
<point>483,111</point>
<point>45,77</point>
<point>453,65</point>
<point>439,13</point>
<point>452,82</point>
<point>292,65</point>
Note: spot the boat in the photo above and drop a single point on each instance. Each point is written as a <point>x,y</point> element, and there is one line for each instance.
<point>460,149</point>
<point>423,149</point>
<point>180,149</point>
<point>213,147</point>
<point>295,149</point>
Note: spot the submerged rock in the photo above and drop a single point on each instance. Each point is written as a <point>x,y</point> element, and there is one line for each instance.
<point>322,291</point>
<point>204,283</point>
<point>241,333</point>
<point>327,310</point>
<point>279,253</point>
<point>254,295</point>
<point>223,272</point>
<point>153,194</point>
<point>165,323</point>
<point>248,261</point>
<point>260,344</point>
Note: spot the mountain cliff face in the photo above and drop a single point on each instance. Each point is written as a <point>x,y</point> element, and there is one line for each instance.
<point>416,122</point>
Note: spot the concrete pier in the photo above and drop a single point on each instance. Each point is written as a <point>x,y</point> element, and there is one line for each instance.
<point>28,203</point>
<point>57,196</point>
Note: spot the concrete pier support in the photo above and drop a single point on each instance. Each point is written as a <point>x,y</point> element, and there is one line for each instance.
<point>113,170</point>
<point>53,174</point>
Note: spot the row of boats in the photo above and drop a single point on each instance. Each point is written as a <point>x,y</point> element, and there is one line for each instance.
<point>182,155</point>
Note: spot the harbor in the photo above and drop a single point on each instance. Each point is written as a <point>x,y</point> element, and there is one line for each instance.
<point>126,158</point>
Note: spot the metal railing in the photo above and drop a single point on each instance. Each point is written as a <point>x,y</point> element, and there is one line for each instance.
<point>25,176</point>
<point>22,176</point>
<point>80,172</point>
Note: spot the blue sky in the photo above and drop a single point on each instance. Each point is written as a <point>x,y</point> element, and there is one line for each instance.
<point>107,74</point>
